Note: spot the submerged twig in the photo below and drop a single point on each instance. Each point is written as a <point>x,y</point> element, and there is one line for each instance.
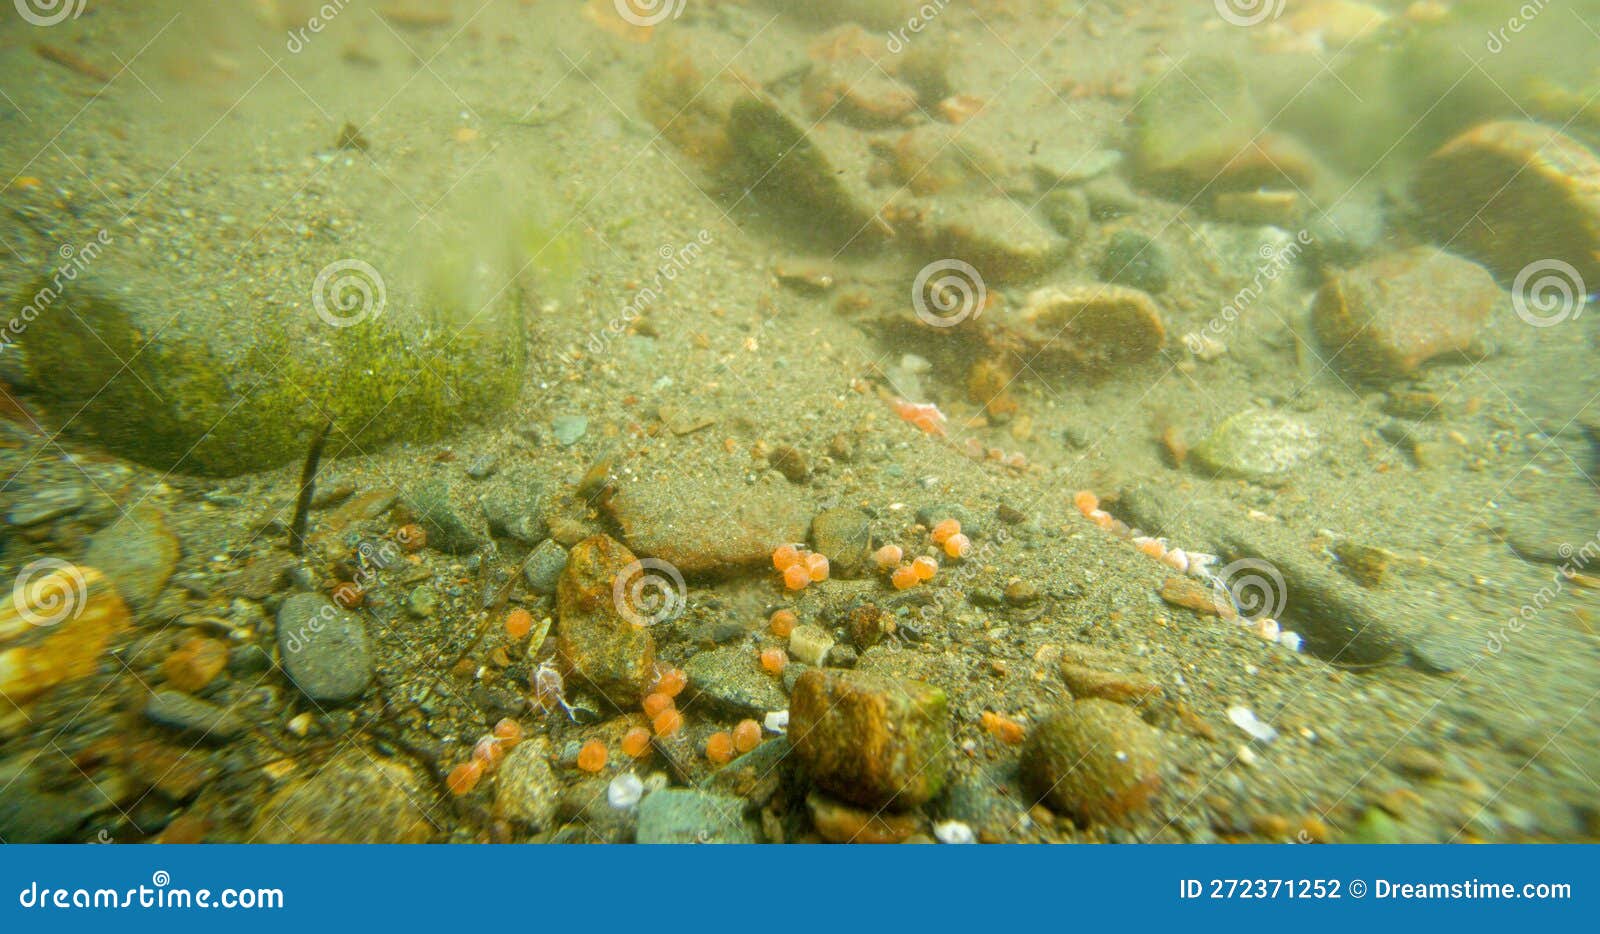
<point>308,487</point>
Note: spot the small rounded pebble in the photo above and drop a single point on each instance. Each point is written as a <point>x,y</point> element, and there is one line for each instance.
<point>412,537</point>
<point>796,576</point>
<point>887,557</point>
<point>773,661</point>
<point>957,545</point>
<point>624,791</point>
<point>719,748</point>
<point>782,623</point>
<point>636,742</point>
<point>518,623</point>
<point>592,757</point>
<point>1004,728</point>
<point>785,557</point>
<point>746,736</point>
<point>943,530</point>
<point>655,703</point>
<point>925,567</point>
<point>904,577</point>
<point>1086,502</point>
<point>667,723</point>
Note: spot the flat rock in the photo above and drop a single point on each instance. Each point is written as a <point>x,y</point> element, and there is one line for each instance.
<point>675,815</point>
<point>323,649</point>
<point>870,740</point>
<point>995,235</point>
<point>730,680</point>
<point>840,822</point>
<point>355,798</point>
<point>709,524</point>
<point>526,788</point>
<point>179,711</point>
<point>137,552</point>
<point>1257,444</point>
<point>448,528</point>
<point>1094,329</point>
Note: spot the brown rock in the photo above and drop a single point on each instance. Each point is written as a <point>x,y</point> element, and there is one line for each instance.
<point>1388,316</point>
<point>60,622</point>
<point>838,822</point>
<point>1093,759</point>
<point>1097,328</point>
<point>195,664</point>
<point>355,798</point>
<point>602,647</point>
<point>706,524</point>
<point>1510,193</point>
<point>1193,595</point>
<point>869,740</point>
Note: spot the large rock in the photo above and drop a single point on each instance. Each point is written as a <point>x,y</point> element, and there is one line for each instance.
<point>1388,316</point>
<point>708,524</point>
<point>869,740</point>
<point>1091,329</point>
<point>1511,193</point>
<point>56,628</point>
<point>323,649</point>
<point>138,552</point>
<point>1093,759</point>
<point>603,648</point>
<point>354,798</point>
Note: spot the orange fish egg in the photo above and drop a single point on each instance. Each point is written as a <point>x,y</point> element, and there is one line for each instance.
<point>719,748</point>
<point>1003,728</point>
<point>518,623</point>
<point>592,757</point>
<point>464,777</point>
<point>796,576</point>
<point>957,545</point>
<point>746,736</point>
<point>636,742</point>
<point>1086,501</point>
<point>817,565</point>
<point>943,530</point>
<point>785,556</point>
<point>774,660</point>
<point>1102,518</point>
<point>1151,547</point>
<point>508,731</point>
<point>489,752</point>
<point>887,557</point>
<point>667,722</point>
<point>904,577</point>
<point>925,567</point>
<point>670,681</point>
<point>782,623</point>
<point>655,703</point>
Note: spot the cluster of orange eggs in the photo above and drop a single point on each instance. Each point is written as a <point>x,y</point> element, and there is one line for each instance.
<point>661,706</point>
<point>486,757</point>
<point>722,746</point>
<point>799,567</point>
<point>1179,560</point>
<point>945,535</point>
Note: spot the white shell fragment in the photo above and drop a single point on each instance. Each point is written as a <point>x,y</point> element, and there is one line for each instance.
<point>777,721</point>
<point>624,791</point>
<point>953,831</point>
<point>1245,719</point>
<point>1290,640</point>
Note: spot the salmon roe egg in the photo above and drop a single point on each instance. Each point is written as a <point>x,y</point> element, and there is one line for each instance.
<point>671,682</point>
<point>943,530</point>
<point>957,545</point>
<point>1152,547</point>
<point>925,567</point>
<point>518,623</point>
<point>887,557</point>
<point>904,577</point>
<point>774,660</point>
<point>592,757</point>
<point>655,703</point>
<point>636,742</point>
<point>747,735</point>
<point>1003,728</point>
<point>796,576</point>
<point>464,777</point>
<point>1086,501</point>
<point>817,565</point>
<point>667,722</point>
<point>508,731</point>
<point>782,623</point>
<point>488,752</point>
<point>784,556</point>
<point>719,748</point>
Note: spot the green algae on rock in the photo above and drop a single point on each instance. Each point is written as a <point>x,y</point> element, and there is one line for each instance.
<point>869,740</point>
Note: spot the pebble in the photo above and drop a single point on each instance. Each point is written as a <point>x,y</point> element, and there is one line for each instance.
<point>323,649</point>
<point>179,711</point>
<point>526,789</point>
<point>51,502</point>
<point>356,797</point>
<point>544,566</point>
<point>729,680</point>
<point>954,832</point>
<point>676,815</point>
<point>810,644</point>
<point>1134,259</point>
<point>625,791</point>
<point>32,814</point>
<point>709,522</point>
<point>448,531</point>
<point>1257,444</point>
<point>569,429</point>
<point>844,535</point>
<point>604,648</point>
<point>1092,759</point>
<point>483,467</point>
<point>195,664</point>
<point>1245,719</point>
<point>422,602</point>
<point>1100,329</point>
<point>138,553</point>
<point>870,740</point>
<point>512,508</point>
<point>840,822</point>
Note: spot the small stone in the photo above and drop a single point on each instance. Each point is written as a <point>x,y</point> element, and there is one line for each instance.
<point>1416,762</point>
<point>526,788</point>
<point>323,649</point>
<point>604,648</point>
<point>195,664</point>
<point>1085,683</point>
<point>1194,595</point>
<point>839,822</point>
<point>138,553</point>
<point>513,509</point>
<point>1021,593</point>
<point>1367,565</point>
<point>1092,759</point>
<point>1256,444</point>
<point>483,467</point>
<point>52,502</point>
<point>422,602</point>
<point>810,644</point>
<point>542,572</point>
<point>787,460</point>
<point>354,798</point>
<point>1110,198</point>
<point>1134,259</point>
<point>30,813</point>
<point>569,429</point>
<point>1101,329</point>
<point>675,815</point>
<point>708,522</point>
<point>997,236</point>
<point>179,711</point>
<point>448,531</point>
<point>844,535</point>
<point>1066,210</point>
<point>871,741</point>
<point>729,680</point>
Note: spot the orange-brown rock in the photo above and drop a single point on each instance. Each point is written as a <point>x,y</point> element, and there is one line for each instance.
<point>195,663</point>
<point>596,639</point>
<point>1094,328</point>
<point>56,629</point>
